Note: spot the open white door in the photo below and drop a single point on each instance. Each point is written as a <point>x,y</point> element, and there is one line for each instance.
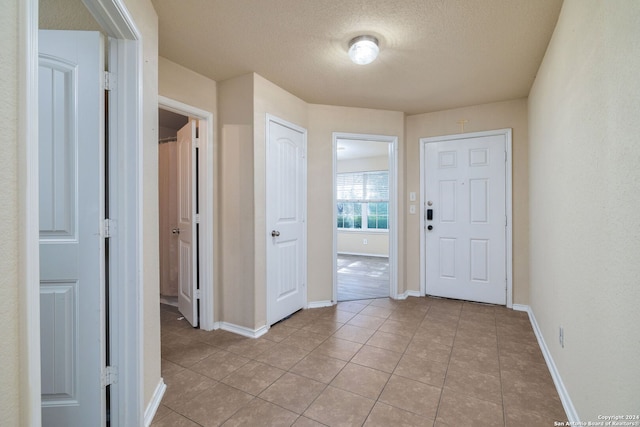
<point>72,260</point>
<point>465,218</point>
<point>187,228</point>
<point>286,201</point>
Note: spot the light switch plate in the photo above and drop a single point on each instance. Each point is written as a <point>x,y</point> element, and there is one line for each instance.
<point>412,209</point>
<point>412,196</point>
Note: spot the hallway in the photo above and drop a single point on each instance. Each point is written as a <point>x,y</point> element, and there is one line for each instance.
<point>381,362</point>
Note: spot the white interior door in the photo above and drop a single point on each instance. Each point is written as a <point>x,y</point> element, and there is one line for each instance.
<point>72,264</point>
<point>286,201</point>
<point>187,279</point>
<point>465,218</point>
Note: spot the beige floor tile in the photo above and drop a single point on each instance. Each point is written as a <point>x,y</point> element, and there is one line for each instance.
<point>319,368</point>
<point>517,418</point>
<point>323,327</point>
<point>364,321</point>
<point>351,306</point>
<point>393,342</point>
<point>189,354</point>
<point>251,348</point>
<point>215,405</point>
<point>261,413</point>
<point>412,396</point>
<point>340,349</point>
<point>282,356</point>
<point>220,364</point>
<point>335,407</point>
<point>423,370</point>
<point>162,412</point>
<point>174,420</point>
<point>383,415</point>
<point>458,410</point>
<point>279,332</point>
<point>361,380</point>
<point>475,384</point>
<point>169,368</point>
<point>354,333</point>
<point>293,392</point>
<point>184,386</point>
<point>377,358</point>
<point>464,358</point>
<point>331,364</point>
<point>397,327</point>
<point>430,351</point>
<point>372,310</point>
<point>307,422</point>
<point>253,377</point>
<point>305,340</point>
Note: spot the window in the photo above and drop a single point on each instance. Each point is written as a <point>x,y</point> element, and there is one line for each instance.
<point>363,200</point>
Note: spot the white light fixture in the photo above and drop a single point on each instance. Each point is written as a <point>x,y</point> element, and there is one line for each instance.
<point>363,49</point>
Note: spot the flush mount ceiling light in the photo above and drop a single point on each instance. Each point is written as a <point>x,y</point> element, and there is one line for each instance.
<point>363,49</point>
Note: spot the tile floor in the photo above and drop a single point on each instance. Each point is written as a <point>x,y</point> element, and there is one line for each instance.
<point>418,362</point>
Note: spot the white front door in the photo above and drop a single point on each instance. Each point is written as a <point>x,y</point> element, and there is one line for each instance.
<point>187,200</point>
<point>72,259</point>
<point>286,228</point>
<point>465,218</point>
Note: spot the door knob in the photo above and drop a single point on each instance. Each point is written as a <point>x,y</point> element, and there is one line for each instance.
<point>175,231</point>
<point>430,227</point>
<point>275,233</point>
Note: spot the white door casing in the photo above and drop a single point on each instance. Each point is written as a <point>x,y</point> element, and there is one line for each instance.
<point>206,204</point>
<point>286,218</point>
<point>72,258</point>
<point>465,189</point>
<point>393,208</point>
<point>187,277</point>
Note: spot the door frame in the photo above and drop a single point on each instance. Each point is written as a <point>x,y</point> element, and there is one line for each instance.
<point>508,202</point>
<point>269,118</point>
<point>206,172</point>
<point>126,329</point>
<point>393,207</point>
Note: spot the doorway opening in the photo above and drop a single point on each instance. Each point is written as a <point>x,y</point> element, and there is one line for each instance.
<point>191,289</point>
<point>169,125</point>
<point>365,223</point>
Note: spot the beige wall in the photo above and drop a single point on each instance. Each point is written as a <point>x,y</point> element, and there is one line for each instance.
<point>236,274</point>
<point>10,280</point>
<point>323,121</point>
<point>509,114</point>
<point>584,120</point>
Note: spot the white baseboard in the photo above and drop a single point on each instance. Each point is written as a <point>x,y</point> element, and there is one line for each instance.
<point>569,409</point>
<point>243,330</point>
<point>320,304</point>
<point>154,404</point>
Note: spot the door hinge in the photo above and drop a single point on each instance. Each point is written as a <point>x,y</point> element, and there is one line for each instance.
<point>108,228</point>
<point>197,294</point>
<point>505,156</point>
<point>109,376</point>
<point>109,81</point>
<point>197,219</point>
<point>197,142</point>
<point>506,221</point>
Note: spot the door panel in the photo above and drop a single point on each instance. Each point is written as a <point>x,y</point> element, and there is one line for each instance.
<point>286,187</point>
<point>71,168</point>
<point>466,248</point>
<point>187,280</point>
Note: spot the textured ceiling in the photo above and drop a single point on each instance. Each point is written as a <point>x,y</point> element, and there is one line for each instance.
<point>434,54</point>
